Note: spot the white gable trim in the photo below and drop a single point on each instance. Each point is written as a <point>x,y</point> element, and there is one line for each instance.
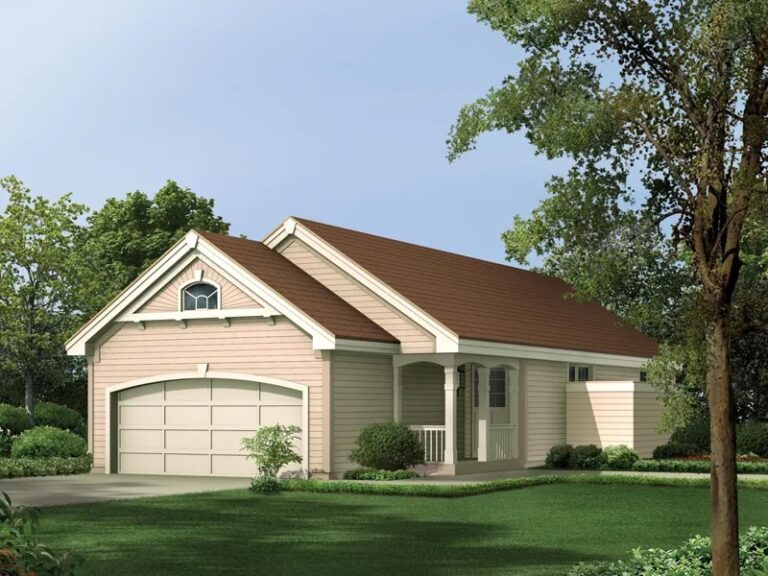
<point>193,243</point>
<point>445,339</point>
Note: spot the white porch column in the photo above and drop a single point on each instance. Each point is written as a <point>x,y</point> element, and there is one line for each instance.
<point>483,414</point>
<point>397,393</point>
<point>451,386</point>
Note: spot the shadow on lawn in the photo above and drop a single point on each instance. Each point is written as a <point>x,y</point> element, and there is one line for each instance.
<point>244,534</point>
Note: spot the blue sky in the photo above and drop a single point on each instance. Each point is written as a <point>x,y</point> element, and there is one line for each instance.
<point>335,111</point>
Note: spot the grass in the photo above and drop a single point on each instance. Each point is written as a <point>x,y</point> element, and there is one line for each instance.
<point>539,530</point>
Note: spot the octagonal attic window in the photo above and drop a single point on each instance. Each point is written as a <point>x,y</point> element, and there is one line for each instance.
<point>201,296</point>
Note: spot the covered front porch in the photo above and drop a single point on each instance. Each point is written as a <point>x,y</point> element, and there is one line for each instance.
<point>466,409</point>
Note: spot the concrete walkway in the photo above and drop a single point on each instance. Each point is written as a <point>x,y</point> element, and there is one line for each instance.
<point>83,488</point>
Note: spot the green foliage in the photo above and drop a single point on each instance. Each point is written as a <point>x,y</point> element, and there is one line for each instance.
<point>559,456</point>
<point>13,419</point>
<point>588,457</point>
<point>695,466</point>
<point>370,474</point>
<point>51,466</point>
<point>47,441</point>
<point>752,438</point>
<point>694,558</point>
<point>19,554</point>
<point>266,485</point>
<point>675,450</point>
<point>59,416</point>
<point>272,448</point>
<point>620,457</point>
<point>695,433</point>
<point>387,446</point>
<point>6,442</point>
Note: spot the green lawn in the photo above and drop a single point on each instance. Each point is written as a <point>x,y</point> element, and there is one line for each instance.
<point>538,530</point>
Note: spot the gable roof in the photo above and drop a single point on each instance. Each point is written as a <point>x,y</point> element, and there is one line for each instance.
<point>482,300</point>
<point>300,289</point>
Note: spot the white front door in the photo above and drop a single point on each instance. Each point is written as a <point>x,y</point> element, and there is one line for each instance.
<point>502,399</point>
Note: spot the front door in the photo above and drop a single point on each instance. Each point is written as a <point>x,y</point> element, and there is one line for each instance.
<point>500,401</point>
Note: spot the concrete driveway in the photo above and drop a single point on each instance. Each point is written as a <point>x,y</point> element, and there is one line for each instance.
<point>55,490</point>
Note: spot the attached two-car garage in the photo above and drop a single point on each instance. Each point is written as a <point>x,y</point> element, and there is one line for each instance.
<point>194,426</point>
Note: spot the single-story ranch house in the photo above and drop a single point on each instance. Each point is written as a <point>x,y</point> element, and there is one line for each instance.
<point>332,329</point>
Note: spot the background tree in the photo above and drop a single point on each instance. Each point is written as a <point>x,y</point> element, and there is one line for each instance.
<point>675,92</point>
<point>39,261</point>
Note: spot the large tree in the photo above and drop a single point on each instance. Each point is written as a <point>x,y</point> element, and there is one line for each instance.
<point>671,96</point>
<point>39,262</point>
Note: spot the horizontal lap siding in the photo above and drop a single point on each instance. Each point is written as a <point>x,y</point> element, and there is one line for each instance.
<point>615,373</point>
<point>423,399</point>
<point>248,346</point>
<point>412,338</point>
<point>600,418</point>
<point>648,412</point>
<point>545,408</point>
<point>361,388</point>
<point>167,300</point>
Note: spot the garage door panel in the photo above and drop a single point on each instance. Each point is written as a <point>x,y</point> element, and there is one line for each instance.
<point>141,415</point>
<point>278,395</point>
<point>235,416</point>
<point>141,463</point>
<point>188,391</point>
<point>285,415</point>
<point>141,439</point>
<point>229,440</point>
<point>231,391</point>
<point>197,440</point>
<point>147,394</point>
<point>225,465</point>
<point>186,415</point>
<point>187,464</point>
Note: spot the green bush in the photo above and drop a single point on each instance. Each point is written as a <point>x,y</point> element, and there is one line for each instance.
<point>370,474</point>
<point>28,467</point>
<point>695,466</point>
<point>13,418</point>
<point>752,437</point>
<point>675,450</point>
<point>588,457</point>
<point>6,441</point>
<point>271,448</point>
<point>694,558</point>
<point>559,456</point>
<point>387,446</point>
<point>620,457</point>
<point>59,416</point>
<point>265,484</point>
<point>696,434</point>
<point>46,441</point>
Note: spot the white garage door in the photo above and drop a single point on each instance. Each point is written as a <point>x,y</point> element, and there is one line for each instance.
<point>195,426</point>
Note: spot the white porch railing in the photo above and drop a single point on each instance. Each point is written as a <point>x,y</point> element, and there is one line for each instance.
<point>503,442</point>
<point>433,440</point>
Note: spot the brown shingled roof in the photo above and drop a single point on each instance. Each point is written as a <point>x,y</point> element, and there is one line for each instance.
<point>482,300</point>
<point>299,288</point>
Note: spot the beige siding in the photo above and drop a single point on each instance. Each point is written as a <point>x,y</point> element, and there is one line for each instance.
<point>167,299</point>
<point>423,394</point>
<point>648,411</point>
<point>249,346</point>
<point>545,408</point>
<point>600,418</point>
<point>361,385</point>
<point>412,338</point>
<point>615,373</point>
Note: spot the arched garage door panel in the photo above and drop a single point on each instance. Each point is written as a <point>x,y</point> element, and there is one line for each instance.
<point>195,426</point>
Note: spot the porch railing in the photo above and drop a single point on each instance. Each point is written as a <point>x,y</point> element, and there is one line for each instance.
<point>433,440</point>
<point>503,444</point>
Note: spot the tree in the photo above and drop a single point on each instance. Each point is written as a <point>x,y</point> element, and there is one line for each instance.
<point>39,261</point>
<point>675,91</point>
<point>126,235</point>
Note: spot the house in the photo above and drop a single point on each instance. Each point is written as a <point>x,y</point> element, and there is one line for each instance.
<point>332,329</point>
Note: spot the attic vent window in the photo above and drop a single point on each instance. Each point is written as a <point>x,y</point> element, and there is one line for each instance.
<point>201,296</point>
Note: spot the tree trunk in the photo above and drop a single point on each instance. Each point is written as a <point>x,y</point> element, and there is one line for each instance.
<point>725,517</point>
<point>29,396</point>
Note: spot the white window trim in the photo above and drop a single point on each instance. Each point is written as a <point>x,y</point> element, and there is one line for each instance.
<point>576,366</point>
<point>194,281</point>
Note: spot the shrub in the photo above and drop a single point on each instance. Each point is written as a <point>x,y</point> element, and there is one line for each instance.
<point>370,474</point>
<point>675,450</point>
<point>387,446</point>
<point>6,441</point>
<point>46,441</point>
<point>271,448</point>
<point>59,416</point>
<point>54,466</point>
<point>587,457</point>
<point>13,418</point>
<point>752,437</point>
<point>696,434</point>
<point>559,456</point>
<point>694,558</point>
<point>696,466</point>
<point>620,457</point>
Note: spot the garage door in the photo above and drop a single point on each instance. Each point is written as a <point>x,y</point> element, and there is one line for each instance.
<point>195,426</point>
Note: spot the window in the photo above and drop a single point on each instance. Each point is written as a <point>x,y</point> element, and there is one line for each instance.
<point>200,296</point>
<point>498,394</point>
<point>578,373</point>
<point>643,376</point>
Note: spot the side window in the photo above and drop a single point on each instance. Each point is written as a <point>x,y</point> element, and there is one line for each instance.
<point>498,392</point>
<point>200,296</point>
<point>643,376</point>
<point>579,373</point>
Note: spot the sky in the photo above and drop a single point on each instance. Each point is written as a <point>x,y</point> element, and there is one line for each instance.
<point>336,111</point>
